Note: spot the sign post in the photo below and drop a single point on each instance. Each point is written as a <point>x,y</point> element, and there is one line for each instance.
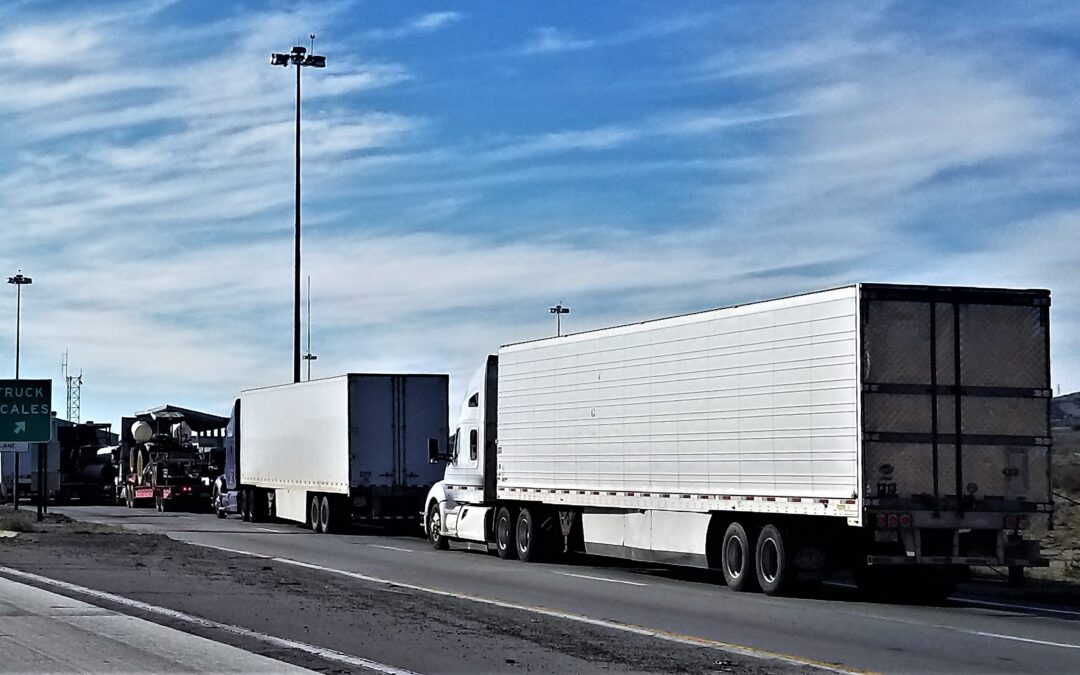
<point>26,416</point>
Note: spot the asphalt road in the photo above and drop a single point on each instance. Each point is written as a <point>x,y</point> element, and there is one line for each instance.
<point>832,627</point>
<point>43,632</point>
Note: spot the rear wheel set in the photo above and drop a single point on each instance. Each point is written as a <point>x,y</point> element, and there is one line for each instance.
<point>326,514</point>
<point>754,559</point>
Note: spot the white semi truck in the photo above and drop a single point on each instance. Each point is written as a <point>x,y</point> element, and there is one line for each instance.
<point>901,432</point>
<point>336,451</point>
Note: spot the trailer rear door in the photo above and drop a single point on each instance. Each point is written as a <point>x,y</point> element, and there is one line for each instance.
<point>956,395</point>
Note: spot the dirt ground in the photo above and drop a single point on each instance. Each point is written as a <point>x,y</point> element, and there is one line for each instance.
<point>1062,544</point>
<point>384,623</point>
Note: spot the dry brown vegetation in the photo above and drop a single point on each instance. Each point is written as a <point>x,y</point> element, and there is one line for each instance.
<point>1062,544</point>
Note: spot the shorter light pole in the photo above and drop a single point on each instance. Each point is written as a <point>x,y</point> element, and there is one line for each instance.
<point>309,357</point>
<point>558,311</point>
<point>19,281</point>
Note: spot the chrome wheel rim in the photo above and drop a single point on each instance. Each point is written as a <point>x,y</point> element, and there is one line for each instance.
<point>769,560</point>
<point>435,525</point>
<point>734,558</point>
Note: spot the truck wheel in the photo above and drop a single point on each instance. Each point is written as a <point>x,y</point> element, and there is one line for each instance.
<point>215,502</point>
<point>1016,576</point>
<point>737,559</point>
<point>313,514</point>
<point>774,569</point>
<point>327,523</point>
<point>434,528</point>
<point>255,501</point>
<point>505,545</point>
<point>243,504</point>
<point>528,548</point>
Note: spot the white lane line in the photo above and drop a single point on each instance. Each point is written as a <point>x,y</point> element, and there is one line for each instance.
<point>392,548</point>
<point>230,550</point>
<point>1017,638</point>
<point>614,581</point>
<point>969,631</point>
<point>1008,605</point>
<point>986,603</point>
<point>579,618</point>
<point>322,652</point>
<point>268,529</point>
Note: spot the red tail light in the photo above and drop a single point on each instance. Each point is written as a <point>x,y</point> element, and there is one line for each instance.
<point>880,520</point>
<point>905,520</point>
<point>894,520</point>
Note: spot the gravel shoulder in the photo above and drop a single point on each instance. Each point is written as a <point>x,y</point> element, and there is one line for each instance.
<point>393,625</point>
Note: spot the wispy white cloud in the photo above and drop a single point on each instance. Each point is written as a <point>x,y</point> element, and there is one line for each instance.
<point>425,23</point>
<point>548,39</point>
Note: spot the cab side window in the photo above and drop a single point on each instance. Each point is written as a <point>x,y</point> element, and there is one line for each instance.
<point>473,444</point>
<point>474,400</point>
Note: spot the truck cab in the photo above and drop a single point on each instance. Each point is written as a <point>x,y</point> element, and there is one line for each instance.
<point>460,505</point>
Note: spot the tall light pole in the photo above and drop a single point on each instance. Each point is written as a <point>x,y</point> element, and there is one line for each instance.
<point>298,57</point>
<point>558,311</point>
<point>19,281</point>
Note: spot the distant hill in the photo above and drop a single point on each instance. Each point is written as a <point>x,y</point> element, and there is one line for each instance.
<point>1065,410</point>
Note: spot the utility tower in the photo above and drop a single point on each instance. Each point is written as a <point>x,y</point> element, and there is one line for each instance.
<point>74,392</point>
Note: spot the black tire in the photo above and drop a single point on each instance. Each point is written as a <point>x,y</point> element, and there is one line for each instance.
<point>313,514</point>
<point>327,522</point>
<point>528,536</point>
<point>215,501</point>
<point>772,562</point>
<point>256,505</point>
<point>737,558</point>
<point>505,544</point>
<point>1016,576</point>
<point>434,528</point>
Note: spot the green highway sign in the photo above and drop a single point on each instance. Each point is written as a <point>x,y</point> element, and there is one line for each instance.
<point>25,410</point>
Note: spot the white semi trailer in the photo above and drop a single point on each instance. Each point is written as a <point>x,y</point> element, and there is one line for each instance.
<point>899,431</point>
<point>336,451</point>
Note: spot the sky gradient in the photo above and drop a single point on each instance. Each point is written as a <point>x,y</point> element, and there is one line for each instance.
<point>467,167</point>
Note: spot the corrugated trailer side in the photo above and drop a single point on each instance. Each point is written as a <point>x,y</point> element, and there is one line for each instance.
<point>753,407</point>
<point>296,440</point>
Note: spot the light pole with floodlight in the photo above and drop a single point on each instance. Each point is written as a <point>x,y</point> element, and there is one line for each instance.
<point>298,57</point>
<point>19,280</point>
<point>558,311</point>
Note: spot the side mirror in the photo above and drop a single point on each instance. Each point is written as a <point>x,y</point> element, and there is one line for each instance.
<point>433,455</point>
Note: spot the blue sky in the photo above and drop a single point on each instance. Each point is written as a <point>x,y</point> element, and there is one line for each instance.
<point>467,166</point>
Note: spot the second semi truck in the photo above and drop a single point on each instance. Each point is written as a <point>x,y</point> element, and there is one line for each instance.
<point>336,451</point>
<point>899,431</point>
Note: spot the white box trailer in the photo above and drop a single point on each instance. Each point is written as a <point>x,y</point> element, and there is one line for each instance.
<point>335,451</point>
<point>891,429</point>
